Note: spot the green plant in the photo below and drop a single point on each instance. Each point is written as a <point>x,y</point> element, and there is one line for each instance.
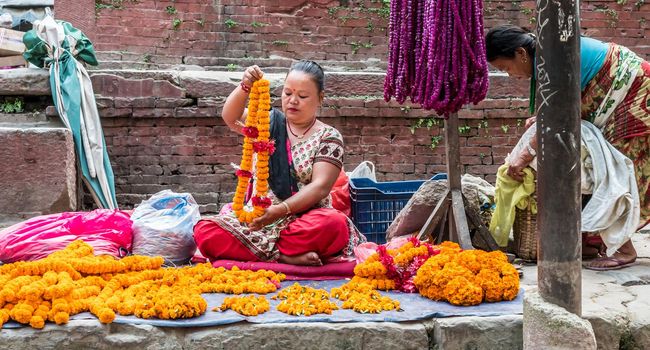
<point>405,109</point>
<point>230,23</point>
<point>280,43</point>
<point>621,2</point>
<point>111,4</point>
<point>15,106</point>
<point>611,13</point>
<point>520,122</point>
<point>231,67</point>
<point>638,4</point>
<point>146,58</point>
<point>435,140</point>
<point>171,10</point>
<point>256,24</point>
<point>505,128</point>
<point>201,22</point>
<point>176,23</point>
<point>357,45</point>
<point>424,123</point>
<point>483,124</point>
<point>481,155</point>
<point>465,129</point>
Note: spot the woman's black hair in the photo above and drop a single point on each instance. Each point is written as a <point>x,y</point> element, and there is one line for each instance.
<point>313,69</point>
<point>504,40</point>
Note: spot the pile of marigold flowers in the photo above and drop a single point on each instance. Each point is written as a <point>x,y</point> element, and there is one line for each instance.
<point>301,300</point>
<point>441,272</point>
<point>468,277</point>
<point>74,280</point>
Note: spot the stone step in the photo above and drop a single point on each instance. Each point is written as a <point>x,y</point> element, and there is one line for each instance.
<point>38,174</point>
<point>8,119</point>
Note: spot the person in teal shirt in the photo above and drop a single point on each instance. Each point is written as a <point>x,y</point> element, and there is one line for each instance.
<point>615,90</point>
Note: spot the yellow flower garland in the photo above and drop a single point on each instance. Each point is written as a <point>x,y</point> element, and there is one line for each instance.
<point>304,301</point>
<point>361,297</point>
<point>73,280</point>
<point>249,305</point>
<point>257,128</point>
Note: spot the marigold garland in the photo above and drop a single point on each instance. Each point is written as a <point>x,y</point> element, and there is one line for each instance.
<point>73,280</point>
<point>304,301</point>
<point>362,297</point>
<point>256,141</point>
<point>249,305</point>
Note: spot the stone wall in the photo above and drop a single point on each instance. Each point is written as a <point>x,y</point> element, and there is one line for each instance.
<point>218,33</point>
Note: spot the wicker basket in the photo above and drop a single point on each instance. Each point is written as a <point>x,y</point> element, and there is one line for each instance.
<point>524,231</point>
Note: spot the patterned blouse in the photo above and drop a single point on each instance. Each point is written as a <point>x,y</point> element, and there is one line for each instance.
<point>324,145</point>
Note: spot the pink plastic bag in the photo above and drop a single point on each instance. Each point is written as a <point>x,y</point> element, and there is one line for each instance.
<point>107,231</point>
<point>364,250</point>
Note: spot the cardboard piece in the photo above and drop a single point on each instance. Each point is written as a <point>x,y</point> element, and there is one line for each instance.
<point>11,42</point>
<point>13,61</point>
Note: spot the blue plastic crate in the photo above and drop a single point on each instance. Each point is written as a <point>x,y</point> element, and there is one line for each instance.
<point>376,204</point>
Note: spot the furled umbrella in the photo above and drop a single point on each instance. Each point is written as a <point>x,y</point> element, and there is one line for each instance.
<point>59,47</point>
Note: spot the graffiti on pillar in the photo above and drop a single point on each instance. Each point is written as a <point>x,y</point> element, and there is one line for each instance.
<point>565,24</point>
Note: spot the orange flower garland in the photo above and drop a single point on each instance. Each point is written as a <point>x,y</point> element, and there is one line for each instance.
<point>363,298</point>
<point>249,305</point>
<point>73,280</point>
<point>306,301</point>
<point>256,141</point>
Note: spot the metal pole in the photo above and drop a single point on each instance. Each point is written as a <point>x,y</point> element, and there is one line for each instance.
<point>558,132</point>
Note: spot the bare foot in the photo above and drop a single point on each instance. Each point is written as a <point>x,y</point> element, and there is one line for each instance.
<point>624,256</point>
<point>307,259</point>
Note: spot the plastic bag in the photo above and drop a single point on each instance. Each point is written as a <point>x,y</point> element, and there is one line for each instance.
<point>364,169</point>
<point>341,194</point>
<point>163,225</point>
<point>107,231</point>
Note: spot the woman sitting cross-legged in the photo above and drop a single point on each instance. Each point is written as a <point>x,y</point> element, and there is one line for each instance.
<point>300,227</point>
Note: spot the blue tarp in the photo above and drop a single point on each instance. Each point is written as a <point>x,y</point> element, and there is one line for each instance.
<point>414,306</point>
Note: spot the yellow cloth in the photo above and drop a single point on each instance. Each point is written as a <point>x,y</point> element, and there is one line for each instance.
<point>509,194</point>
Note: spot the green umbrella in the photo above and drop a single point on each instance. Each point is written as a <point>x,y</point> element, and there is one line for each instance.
<point>59,47</point>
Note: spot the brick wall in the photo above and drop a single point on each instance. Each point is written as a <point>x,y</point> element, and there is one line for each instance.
<point>204,32</point>
<point>163,129</point>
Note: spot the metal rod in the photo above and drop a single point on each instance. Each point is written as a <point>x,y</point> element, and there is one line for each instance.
<point>558,133</point>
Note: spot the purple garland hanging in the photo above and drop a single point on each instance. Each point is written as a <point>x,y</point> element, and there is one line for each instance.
<point>437,54</point>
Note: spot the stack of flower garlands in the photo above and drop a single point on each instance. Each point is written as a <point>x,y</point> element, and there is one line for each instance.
<point>256,141</point>
<point>73,280</point>
<point>442,272</point>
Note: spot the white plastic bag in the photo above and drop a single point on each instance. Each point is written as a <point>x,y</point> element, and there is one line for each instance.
<point>364,169</point>
<point>163,225</point>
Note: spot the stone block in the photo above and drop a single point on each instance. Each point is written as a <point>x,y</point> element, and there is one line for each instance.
<point>551,327</point>
<point>477,333</point>
<point>328,336</point>
<point>38,173</point>
<point>25,81</point>
<point>90,334</point>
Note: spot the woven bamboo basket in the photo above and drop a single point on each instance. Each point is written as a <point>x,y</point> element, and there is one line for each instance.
<point>524,231</point>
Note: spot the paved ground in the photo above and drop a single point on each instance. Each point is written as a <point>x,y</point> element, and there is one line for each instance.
<point>617,303</point>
